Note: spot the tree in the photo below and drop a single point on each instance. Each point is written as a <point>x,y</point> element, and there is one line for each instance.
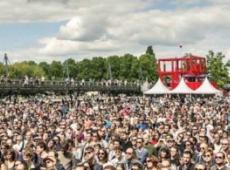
<point>46,68</point>
<point>216,68</point>
<point>134,70</point>
<point>148,66</point>
<point>125,67</point>
<point>85,69</point>
<point>114,62</point>
<point>99,68</point>
<point>19,70</point>
<point>56,70</point>
<point>70,67</point>
<point>149,50</point>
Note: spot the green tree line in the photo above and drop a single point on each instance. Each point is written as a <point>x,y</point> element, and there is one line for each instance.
<point>126,67</point>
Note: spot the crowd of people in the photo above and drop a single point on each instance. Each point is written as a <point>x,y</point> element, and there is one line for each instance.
<point>101,132</point>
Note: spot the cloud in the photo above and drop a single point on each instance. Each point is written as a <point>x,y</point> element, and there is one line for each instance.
<point>59,10</point>
<point>83,29</point>
<point>109,27</point>
<point>111,32</point>
<point>68,47</point>
<point>50,1</point>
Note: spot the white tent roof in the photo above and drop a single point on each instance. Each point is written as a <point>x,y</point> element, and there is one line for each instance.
<point>182,88</point>
<point>207,88</point>
<point>158,88</point>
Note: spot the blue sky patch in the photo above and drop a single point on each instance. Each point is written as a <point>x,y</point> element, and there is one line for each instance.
<point>23,35</point>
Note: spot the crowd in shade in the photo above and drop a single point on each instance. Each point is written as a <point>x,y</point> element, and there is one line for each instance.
<point>101,132</point>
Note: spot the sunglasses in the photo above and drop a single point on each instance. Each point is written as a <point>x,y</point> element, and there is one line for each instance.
<point>219,157</point>
<point>165,166</point>
<point>87,152</point>
<point>129,153</point>
<point>28,155</point>
<point>148,160</point>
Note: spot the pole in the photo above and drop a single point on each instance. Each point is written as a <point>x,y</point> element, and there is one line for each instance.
<point>6,64</point>
<point>67,69</point>
<point>110,71</point>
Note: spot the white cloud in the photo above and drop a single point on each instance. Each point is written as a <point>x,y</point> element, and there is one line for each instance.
<point>59,10</point>
<point>109,27</point>
<point>153,27</point>
<point>83,29</point>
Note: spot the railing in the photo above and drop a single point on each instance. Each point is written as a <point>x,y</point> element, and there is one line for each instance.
<point>19,86</point>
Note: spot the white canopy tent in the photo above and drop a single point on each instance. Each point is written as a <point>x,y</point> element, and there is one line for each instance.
<point>158,88</point>
<point>207,88</point>
<point>182,88</point>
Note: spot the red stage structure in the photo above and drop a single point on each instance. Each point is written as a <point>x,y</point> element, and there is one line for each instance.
<point>192,68</point>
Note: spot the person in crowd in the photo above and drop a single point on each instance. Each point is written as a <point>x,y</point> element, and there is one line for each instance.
<point>165,165</point>
<point>89,159</point>
<point>131,158</point>
<point>10,159</point>
<point>21,165</point>
<point>220,162</point>
<point>114,132</point>
<point>199,166</point>
<point>102,156</point>
<point>174,156</point>
<point>186,162</point>
<point>120,166</point>
<point>200,155</point>
<point>141,152</point>
<point>151,163</point>
<point>66,156</point>
<point>208,159</point>
<point>119,157</point>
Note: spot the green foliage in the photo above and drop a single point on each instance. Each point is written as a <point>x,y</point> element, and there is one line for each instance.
<point>19,70</point>
<point>114,62</point>
<point>149,50</point>
<point>70,67</point>
<point>46,68</point>
<point>217,70</point>
<point>85,67</point>
<point>2,69</point>
<point>56,70</point>
<point>126,67</point>
<point>148,67</point>
<point>99,68</point>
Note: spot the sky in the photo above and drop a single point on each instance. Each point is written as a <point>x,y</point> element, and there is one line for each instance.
<point>47,30</point>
